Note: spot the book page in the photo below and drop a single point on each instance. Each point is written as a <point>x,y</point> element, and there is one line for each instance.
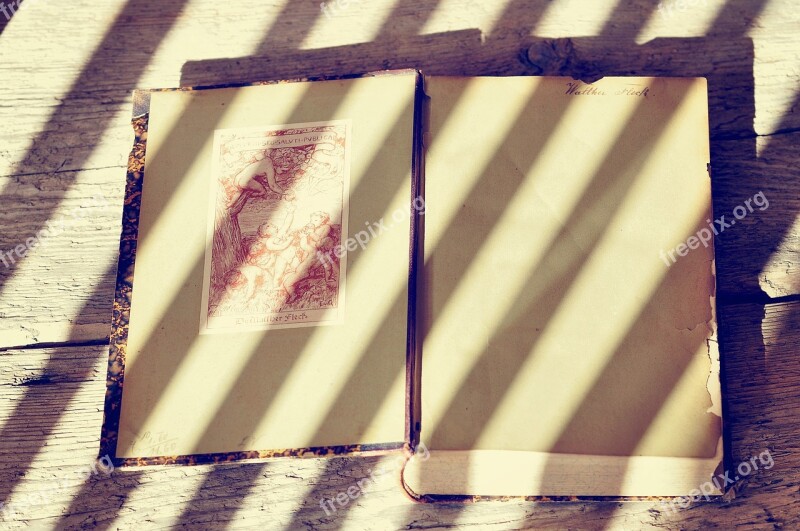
<point>271,217</point>
<point>568,280</point>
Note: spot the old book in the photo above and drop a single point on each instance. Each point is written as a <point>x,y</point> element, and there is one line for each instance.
<point>257,324</point>
<point>492,269</point>
<point>567,349</point>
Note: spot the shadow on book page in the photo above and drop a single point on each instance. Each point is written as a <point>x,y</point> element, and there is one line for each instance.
<point>246,213</point>
<point>567,314</point>
<point>277,213</point>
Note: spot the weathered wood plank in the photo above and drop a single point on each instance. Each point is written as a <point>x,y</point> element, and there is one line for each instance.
<point>63,289</point>
<point>58,286</point>
<point>64,106</point>
<point>60,103</point>
<point>61,427</point>
<point>760,254</point>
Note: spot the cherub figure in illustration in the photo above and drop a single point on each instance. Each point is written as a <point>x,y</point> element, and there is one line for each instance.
<point>312,238</point>
<point>276,240</point>
<point>280,208</point>
<point>252,273</point>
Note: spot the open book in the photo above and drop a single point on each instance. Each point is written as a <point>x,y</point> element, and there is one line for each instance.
<point>516,274</point>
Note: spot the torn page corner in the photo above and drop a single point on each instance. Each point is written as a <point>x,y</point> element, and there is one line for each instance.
<point>713,385</point>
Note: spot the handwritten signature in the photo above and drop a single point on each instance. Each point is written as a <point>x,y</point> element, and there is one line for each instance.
<point>158,443</point>
<point>584,89</point>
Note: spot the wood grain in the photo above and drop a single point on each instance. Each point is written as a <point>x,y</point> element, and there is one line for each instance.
<point>64,105</point>
<point>763,414</point>
<point>73,142</point>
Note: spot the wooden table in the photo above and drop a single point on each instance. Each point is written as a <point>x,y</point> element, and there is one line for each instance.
<point>68,70</point>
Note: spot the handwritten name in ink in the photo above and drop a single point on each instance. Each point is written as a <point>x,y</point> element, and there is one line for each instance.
<point>634,90</point>
<point>585,89</point>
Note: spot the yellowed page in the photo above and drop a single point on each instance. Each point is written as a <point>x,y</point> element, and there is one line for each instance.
<point>524,473</point>
<point>258,377</point>
<point>554,319</point>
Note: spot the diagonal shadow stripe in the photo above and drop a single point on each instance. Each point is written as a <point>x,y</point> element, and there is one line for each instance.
<point>454,235</point>
<point>608,25</point>
<point>120,40</point>
<point>8,12</point>
<point>92,75</point>
<point>383,198</point>
<point>252,369</point>
<point>563,260</point>
<point>192,144</point>
<point>731,18</point>
<point>258,365</point>
<point>399,302</point>
<point>612,373</point>
<point>227,414</point>
<point>370,360</point>
<point>778,237</point>
<point>730,75</point>
<point>615,399</point>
